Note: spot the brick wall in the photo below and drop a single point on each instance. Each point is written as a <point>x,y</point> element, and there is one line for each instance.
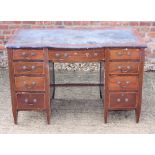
<point>146,30</point>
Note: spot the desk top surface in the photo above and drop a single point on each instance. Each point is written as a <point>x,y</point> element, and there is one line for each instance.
<point>75,38</point>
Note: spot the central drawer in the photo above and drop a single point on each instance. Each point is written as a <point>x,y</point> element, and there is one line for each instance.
<point>25,83</point>
<point>30,100</point>
<point>76,55</point>
<point>123,83</point>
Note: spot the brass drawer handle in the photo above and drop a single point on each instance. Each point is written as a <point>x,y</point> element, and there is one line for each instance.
<point>126,49</point>
<point>120,53</point>
<point>24,54</point>
<point>124,69</point>
<point>34,100</point>
<point>26,100</point>
<point>124,52</point>
<point>24,67</point>
<point>33,54</point>
<point>123,84</point>
<point>129,53</point>
<point>95,54</point>
<point>127,82</point>
<point>118,100</point>
<point>28,69</point>
<point>87,54</point>
<point>33,67</point>
<point>57,55</point>
<point>65,55</point>
<point>29,86</point>
<point>126,99</point>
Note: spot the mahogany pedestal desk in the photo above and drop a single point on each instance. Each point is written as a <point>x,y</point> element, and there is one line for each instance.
<point>32,52</point>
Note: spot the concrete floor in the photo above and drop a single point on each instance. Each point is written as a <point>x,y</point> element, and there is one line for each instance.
<point>78,110</point>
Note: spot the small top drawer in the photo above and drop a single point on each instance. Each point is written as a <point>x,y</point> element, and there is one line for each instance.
<point>28,54</point>
<point>124,53</point>
<point>124,67</point>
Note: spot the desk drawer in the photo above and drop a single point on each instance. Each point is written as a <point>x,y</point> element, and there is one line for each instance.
<point>124,54</point>
<point>28,67</point>
<point>123,100</point>
<point>30,100</point>
<point>123,83</point>
<point>123,67</point>
<point>28,54</point>
<point>24,83</point>
<point>76,55</point>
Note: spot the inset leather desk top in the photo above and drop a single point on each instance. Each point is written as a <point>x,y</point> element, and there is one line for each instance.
<point>74,38</point>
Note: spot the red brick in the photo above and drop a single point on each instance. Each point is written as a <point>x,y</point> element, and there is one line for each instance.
<point>151,34</point>
<point>17,22</point>
<point>105,23</point>
<point>115,23</point>
<point>85,23</point>
<point>134,23</point>
<point>36,26</point>
<point>58,22</point>
<point>39,22</point>
<point>6,32</point>
<point>145,23</point>
<point>28,22</point>
<point>95,23</point>
<point>76,22</point>
<point>48,22</point>
<point>1,37</point>
<point>146,29</point>
<point>11,22</point>
<point>152,29</point>
<point>2,47</point>
<point>26,26</point>
<point>14,26</point>
<point>68,23</point>
<point>3,26</point>
<point>124,23</point>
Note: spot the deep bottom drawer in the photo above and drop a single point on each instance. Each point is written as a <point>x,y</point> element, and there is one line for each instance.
<point>30,100</point>
<point>122,100</point>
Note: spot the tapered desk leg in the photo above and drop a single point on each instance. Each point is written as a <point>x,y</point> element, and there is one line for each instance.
<point>53,80</point>
<point>100,87</point>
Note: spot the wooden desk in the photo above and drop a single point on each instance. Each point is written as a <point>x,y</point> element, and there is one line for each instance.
<point>31,51</point>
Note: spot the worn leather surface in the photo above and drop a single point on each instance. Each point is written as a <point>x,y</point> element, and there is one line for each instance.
<point>74,38</point>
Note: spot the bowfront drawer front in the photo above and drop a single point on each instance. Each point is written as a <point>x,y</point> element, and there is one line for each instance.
<point>123,67</point>
<point>28,68</point>
<point>28,54</point>
<point>24,83</point>
<point>122,100</point>
<point>123,83</point>
<point>76,56</point>
<point>124,54</point>
<point>30,100</point>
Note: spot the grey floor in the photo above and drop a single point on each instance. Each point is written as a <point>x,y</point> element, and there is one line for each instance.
<point>78,110</point>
